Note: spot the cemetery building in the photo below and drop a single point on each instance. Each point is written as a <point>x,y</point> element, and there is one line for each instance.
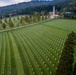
<point>53,13</point>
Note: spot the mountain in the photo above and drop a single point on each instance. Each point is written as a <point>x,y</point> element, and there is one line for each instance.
<point>28,4</point>
<point>32,3</point>
<point>29,7</point>
<point>24,5</point>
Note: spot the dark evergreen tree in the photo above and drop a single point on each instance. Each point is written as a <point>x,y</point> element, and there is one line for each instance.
<point>74,72</point>
<point>4,25</point>
<point>65,66</point>
<point>11,24</point>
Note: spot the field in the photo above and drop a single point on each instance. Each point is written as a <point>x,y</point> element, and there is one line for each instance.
<point>34,50</point>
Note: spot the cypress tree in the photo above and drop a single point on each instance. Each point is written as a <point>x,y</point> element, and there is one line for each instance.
<point>34,18</point>
<point>43,17</point>
<point>48,15</point>
<point>30,16</point>
<point>11,23</point>
<point>0,21</point>
<point>22,21</point>
<point>26,18</point>
<point>18,18</point>
<point>65,66</point>
<point>13,19</point>
<point>5,20</point>
<point>10,19</point>
<point>29,20</point>
<point>39,18</point>
<point>4,25</point>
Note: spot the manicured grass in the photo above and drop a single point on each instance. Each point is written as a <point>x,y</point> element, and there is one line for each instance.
<point>18,61</point>
<point>34,50</point>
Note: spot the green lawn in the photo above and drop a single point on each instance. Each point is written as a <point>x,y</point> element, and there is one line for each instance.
<point>34,50</point>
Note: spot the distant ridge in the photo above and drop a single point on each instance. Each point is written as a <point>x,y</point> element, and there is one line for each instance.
<point>24,5</point>
<point>15,8</point>
<point>31,3</point>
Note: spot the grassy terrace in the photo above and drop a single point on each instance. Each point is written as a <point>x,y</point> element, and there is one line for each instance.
<point>34,50</point>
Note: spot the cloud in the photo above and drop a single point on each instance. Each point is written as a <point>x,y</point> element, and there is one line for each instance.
<point>5,0</point>
<point>9,2</point>
<point>17,1</point>
<point>3,3</point>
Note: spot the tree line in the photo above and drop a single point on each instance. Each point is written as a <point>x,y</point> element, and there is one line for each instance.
<point>32,18</point>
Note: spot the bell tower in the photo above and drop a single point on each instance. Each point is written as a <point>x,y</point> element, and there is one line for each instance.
<point>53,10</point>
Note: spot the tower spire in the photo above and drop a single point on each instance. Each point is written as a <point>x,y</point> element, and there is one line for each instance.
<point>53,10</point>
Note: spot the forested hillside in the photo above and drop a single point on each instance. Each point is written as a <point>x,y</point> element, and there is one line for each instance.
<point>35,6</point>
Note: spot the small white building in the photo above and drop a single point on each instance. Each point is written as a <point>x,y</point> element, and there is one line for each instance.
<point>53,14</point>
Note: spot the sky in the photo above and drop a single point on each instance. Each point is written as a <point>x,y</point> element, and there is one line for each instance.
<point>9,2</point>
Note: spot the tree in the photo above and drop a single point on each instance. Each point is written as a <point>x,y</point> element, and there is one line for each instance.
<point>0,21</point>
<point>13,19</point>
<point>5,20</point>
<point>26,18</point>
<point>74,72</point>
<point>45,17</point>
<point>56,12</point>
<point>65,66</point>
<point>4,25</point>
<point>18,18</point>
<point>34,18</point>
<point>29,20</point>
<point>30,16</point>
<point>10,19</point>
<point>49,15</point>
<point>43,13</point>
<point>22,21</point>
<point>11,24</point>
<point>39,17</point>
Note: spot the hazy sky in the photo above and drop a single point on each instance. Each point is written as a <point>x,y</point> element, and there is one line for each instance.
<point>9,2</point>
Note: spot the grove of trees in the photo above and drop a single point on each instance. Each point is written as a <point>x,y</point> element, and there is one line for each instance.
<point>23,20</point>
